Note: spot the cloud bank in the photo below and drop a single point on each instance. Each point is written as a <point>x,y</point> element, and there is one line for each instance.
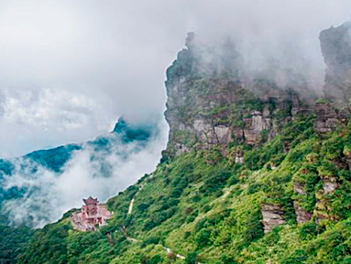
<point>68,69</point>
<point>47,195</point>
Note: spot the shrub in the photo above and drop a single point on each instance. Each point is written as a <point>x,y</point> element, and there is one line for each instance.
<point>254,187</point>
<point>187,234</point>
<point>272,237</point>
<point>177,192</point>
<point>156,259</point>
<point>227,260</point>
<point>202,239</point>
<point>307,230</point>
<point>152,240</point>
<point>143,207</point>
<point>299,256</point>
<point>215,182</point>
<point>190,219</point>
<point>255,229</point>
<point>206,208</point>
<point>191,258</point>
<point>200,224</point>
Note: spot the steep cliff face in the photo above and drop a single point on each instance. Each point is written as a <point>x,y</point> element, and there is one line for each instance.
<point>208,103</point>
<point>336,49</point>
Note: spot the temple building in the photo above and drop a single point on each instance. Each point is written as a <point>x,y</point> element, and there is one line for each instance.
<point>92,215</point>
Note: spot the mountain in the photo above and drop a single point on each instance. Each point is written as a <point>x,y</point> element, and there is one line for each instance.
<point>24,180</point>
<point>253,173</point>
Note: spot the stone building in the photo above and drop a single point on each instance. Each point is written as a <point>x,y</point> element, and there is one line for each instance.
<point>93,214</point>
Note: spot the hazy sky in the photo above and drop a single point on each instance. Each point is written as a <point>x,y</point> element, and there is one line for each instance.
<point>70,68</point>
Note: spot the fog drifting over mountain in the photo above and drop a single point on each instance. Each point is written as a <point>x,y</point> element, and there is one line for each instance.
<point>68,69</point>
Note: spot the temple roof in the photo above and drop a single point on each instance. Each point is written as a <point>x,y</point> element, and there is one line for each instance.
<point>91,200</point>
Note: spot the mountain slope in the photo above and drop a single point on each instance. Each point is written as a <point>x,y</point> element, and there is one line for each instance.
<point>253,173</point>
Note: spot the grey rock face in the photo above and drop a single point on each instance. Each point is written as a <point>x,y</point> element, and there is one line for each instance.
<point>329,185</point>
<point>326,119</point>
<point>298,188</point>
<point>208,104</point>
<point>302,216</point>
<point>336,50</point>
<point>272,216</point>
<point>254,127</point>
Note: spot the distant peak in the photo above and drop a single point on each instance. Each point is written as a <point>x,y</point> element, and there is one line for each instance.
<point>121,125</point>
<point>189,42</point>
<point>130,131</point>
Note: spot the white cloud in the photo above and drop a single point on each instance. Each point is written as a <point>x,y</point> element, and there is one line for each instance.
<point>48,105</point>
<point>49,195</point>
<point>114,54</point>
<point>49,117</point>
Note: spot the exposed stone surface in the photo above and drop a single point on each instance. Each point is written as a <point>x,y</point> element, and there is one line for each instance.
<point>272,216</point>
<point>326,119</point>
<point>321,211</point>
<point>254,126</point>
<point>302,216</point>
<point>336,50</point>
<point>209,104</point>
<point>298,188</point>
<point>238,156</point>
<point>323,208</point>
<point>329,184</point>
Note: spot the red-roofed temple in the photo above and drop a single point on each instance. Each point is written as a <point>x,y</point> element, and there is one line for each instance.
<point>92,215</point>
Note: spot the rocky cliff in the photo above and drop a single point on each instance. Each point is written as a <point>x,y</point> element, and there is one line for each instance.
<point>209,104</point>
<point>336,50</point>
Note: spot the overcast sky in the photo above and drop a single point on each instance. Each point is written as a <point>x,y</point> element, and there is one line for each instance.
<point>70,68</point>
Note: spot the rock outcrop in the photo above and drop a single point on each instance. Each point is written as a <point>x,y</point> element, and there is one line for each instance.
<point>336,50</point>
<point>273,216</point>
<point>209,104</point>
<point>323,208</point>
<point>326,119</point>
<point>254,125</point>
<point>302,216</point>
<point>299,188</point>
<point>329,184</point>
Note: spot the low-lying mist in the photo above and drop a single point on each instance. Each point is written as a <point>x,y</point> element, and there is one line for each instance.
<point>95,170</point>
<point>68,68</point>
